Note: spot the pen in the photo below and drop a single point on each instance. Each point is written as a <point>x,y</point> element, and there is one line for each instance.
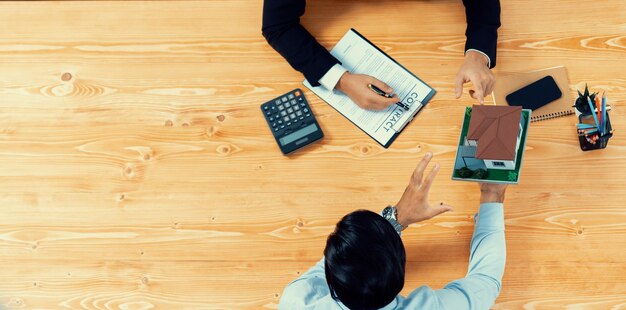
<point>599,115</point>
<point>604,115</point>
<point>379,91</point>
<point>585,126</point>
<point>593,112</point>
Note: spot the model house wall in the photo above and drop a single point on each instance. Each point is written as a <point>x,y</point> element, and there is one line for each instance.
<point>506,164</point>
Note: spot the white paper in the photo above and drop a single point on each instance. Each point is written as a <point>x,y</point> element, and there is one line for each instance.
<point>358,56</point>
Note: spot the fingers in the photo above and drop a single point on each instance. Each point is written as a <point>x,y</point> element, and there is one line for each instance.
<point>483,87</point>
<point>458,84</point>
<point>388,101</point>
<point>481,77</point>
<point>418,173</point>
<point>431,177</point>
<point>490,86</point>
<point>384,87</point>
<point>376,102</point>
<point>479,93</point>
<point>492,187</point>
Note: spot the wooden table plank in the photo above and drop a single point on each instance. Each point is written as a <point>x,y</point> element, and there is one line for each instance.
<point>136,170</point>
<point>198,285</point>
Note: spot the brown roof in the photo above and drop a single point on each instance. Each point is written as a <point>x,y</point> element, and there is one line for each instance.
<point>495,128</point>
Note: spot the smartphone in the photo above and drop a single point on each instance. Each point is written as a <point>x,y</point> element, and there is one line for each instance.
<point>536,94</point>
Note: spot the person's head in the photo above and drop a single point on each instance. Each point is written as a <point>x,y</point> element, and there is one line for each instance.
<point>364,261</point>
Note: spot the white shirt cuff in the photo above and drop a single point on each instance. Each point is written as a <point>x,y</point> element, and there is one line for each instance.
<point>488,59</point>
<point>331,78</point>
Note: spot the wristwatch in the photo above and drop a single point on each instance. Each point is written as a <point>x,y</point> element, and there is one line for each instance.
<point>390,213</point>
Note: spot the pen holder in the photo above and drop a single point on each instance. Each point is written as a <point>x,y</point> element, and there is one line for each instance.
<point>590,142</point>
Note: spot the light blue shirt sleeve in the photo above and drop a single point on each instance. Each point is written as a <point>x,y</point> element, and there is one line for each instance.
<point>481,286</point>
<point>478,290</point>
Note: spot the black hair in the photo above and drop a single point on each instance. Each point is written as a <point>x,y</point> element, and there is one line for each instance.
<point>364,261</point>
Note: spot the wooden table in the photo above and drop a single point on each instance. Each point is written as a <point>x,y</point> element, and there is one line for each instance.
<point>137,171</point>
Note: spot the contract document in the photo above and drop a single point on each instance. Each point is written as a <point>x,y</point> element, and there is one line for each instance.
<point>359,55</point>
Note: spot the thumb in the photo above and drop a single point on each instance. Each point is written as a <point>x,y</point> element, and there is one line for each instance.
<point>442,208</point>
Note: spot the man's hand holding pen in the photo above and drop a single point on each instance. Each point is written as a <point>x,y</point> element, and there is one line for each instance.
<point>356,87</point>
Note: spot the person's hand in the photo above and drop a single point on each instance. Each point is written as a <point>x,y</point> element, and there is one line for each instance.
<point>413,207</point>
<point>492,192</point>
<point>475,69</point>
<point>355,86</point>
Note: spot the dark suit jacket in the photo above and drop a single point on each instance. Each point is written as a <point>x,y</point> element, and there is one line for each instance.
<point>282,30</point>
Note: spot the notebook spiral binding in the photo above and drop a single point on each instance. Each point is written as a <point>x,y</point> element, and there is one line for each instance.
<point>551,115</point>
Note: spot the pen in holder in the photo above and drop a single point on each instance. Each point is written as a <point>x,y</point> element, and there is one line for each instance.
<point>594,141</point>
<point>594,124</point>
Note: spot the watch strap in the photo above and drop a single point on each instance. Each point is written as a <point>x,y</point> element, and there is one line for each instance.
<point>393,219</point>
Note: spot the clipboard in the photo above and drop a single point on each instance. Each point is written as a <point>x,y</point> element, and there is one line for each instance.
<point>420,93</point>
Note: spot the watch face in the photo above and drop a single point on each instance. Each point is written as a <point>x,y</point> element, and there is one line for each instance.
<point>387,212</point>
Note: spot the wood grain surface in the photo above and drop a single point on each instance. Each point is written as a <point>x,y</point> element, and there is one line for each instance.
<point>137,172</point>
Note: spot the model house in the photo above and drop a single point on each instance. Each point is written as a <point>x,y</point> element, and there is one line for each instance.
<point>494,136</point>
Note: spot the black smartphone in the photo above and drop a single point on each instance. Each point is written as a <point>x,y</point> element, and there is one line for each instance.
<point>536,94</point>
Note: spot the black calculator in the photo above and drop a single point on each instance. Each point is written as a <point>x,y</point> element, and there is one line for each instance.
<point>291,121</point>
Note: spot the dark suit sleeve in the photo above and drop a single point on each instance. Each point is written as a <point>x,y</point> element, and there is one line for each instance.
<point>483,21</point>
<point>282,30</point>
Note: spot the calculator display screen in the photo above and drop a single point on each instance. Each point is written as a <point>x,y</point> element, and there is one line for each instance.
<point>298,134</point>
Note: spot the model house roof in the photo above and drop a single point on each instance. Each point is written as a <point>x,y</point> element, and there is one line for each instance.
<point>495,129</point>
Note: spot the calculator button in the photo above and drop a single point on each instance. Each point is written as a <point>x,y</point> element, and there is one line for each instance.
<point>266,108</point>
<point>301,117</point>
<point>300,99</point>
<point>287,105</point>
<point>289,124</point>
<point>292,116</point>
<point>271,119</point>
<point>297,93</point>
<point>284,99</point>
<point>275,129</point>
<point>290,110</point>
<point>302,105</point>
<point>296,108</point>
<point>268,113</point>
<point>298,113</point>
<point>280,107</point>
<point>280,121</point>
<point>282,126</point>
<point>290,96</point>
<point>286,118</point>
<point>283,113</point>
<point>307,115</point>
<point>305,110</point>
<point>293,101</point>
<point>277,101</point>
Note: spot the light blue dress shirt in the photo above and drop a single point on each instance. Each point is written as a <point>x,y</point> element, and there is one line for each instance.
<point>478,290</point>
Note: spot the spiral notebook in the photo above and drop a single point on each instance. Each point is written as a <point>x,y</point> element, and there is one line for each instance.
<point>508,82</point>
